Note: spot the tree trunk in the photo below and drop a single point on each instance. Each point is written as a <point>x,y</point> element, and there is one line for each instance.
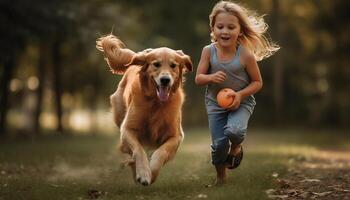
<point>8,69</point>
<point>43,63</point>
<point>57,81</point>
<point>277,64</point>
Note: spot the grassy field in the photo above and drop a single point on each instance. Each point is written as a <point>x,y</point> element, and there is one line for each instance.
<point>87,167</point>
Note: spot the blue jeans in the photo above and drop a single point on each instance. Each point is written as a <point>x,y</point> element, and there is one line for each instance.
<point>226,128</point>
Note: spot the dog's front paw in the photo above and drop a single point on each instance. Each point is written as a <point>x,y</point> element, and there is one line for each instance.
<point>143,176</point>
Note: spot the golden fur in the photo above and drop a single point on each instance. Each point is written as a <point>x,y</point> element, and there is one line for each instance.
<point>147,103</point>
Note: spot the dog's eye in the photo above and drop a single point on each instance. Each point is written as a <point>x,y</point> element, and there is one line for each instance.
<point>172,65</point>
<point>156,64</point>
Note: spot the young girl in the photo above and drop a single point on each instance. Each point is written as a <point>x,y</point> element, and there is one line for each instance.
<point>230,61</point>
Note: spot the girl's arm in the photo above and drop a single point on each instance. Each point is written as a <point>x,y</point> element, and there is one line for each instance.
<point>202,76</point>
<point>256,82</point>
<point>253,71</point>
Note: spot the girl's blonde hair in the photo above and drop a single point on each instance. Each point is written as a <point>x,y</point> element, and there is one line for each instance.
<point>253,28</point>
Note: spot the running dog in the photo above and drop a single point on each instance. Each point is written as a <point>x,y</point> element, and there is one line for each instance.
<point>147,103</point>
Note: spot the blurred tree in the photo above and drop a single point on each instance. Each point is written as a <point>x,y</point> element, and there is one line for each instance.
<point>43,63</point>
<point>44,23</point>
<point>332,72</point>
<point>276,27</point>
<point>307,82</point>
<point>8,65</point>
<point>11,40</point>
<point>56,61</point>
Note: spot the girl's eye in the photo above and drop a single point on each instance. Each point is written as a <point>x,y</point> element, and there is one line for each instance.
<point>156,64</point>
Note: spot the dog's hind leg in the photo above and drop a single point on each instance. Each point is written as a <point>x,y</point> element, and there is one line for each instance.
<point>118,106</point>
<point>124,148</point>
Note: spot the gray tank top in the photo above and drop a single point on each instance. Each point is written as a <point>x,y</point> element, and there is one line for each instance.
<point>237,79</point>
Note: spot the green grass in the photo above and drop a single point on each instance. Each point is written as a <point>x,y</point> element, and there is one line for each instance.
<point>68,167</point>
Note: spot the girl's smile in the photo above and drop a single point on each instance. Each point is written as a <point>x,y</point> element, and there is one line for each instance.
<point>225,37</point>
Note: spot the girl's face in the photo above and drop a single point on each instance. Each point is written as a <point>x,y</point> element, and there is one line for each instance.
<point>226,29</point>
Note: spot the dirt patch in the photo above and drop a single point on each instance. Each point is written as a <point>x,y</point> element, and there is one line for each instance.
<point>324,175</point>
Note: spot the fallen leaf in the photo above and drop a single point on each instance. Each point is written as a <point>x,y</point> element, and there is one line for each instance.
<point>338,188</point>
<point>275,175</point>
<point>310,180</point>
<point>292,192</point>
<point>322,194</point>
<point>335,186</point>
<point>283,183</point>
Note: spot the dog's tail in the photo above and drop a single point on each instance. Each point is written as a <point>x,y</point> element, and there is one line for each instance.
<point>116,55</point>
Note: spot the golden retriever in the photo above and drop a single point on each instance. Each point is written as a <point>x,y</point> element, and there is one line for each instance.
<point>147,103</point>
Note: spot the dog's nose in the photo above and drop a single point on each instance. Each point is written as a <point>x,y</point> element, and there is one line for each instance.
<point>164,81</point>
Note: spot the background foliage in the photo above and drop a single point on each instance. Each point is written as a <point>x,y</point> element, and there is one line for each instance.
<point>52,77</point>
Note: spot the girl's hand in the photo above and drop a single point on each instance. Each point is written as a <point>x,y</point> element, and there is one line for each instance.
<point>236,102</point>
<point>218,77</point>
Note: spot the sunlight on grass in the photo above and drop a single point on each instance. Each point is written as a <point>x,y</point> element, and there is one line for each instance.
<point>72,167</point>
<point>64,171</point>
<point>290,150</point>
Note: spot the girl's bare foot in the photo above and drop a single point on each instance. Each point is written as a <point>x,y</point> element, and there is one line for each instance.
<point>220,174</point>
<point>220,181</point>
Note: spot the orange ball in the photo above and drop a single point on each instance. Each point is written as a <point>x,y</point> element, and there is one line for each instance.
<point>224,100</point>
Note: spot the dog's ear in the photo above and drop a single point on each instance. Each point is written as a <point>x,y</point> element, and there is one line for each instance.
<point>186,60</point>
<point>188,63</point>
<point>138,59</point>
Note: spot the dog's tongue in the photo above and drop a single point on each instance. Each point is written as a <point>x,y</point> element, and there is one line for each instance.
<point>163,93</point>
